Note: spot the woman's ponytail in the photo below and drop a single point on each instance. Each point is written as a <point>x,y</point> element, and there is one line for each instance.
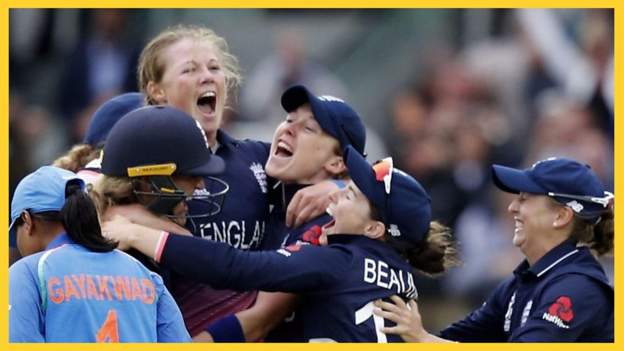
<point>437,253</point>
<point>598,237</point>
<point>80,220</point>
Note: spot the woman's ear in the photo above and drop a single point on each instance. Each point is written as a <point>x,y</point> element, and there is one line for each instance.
<point>563,217</point>
<point>374,229</point>
<point>335,165</point>
<point>29,224</point>
<point>156,93</point>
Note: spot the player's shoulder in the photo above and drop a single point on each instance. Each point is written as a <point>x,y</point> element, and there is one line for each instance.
<point>583,285</point>
<point>28,263</point>
<point>581,271</point>
<point>245,146</point>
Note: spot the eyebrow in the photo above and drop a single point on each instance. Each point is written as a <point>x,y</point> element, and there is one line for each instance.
<point>194,62</point>
<point>350,188</point>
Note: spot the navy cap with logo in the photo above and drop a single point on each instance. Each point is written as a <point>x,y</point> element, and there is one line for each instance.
<point>41,191</point>
<point>565,180</point>
<point>334,116</point>
<point>158,140</point>
<point>110,113</point>
<point>402,202</point>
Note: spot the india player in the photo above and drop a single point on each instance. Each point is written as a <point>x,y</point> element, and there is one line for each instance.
<point>73,285</point>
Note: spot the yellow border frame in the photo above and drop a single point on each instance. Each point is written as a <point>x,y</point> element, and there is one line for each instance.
<point>4,206</point>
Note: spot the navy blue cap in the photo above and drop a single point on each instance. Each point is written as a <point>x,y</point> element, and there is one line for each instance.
<point>567,181</point>
<point>402,202</point>
<point>158,140</point>
<point>42,191</point>
<point>335,117</point>
<point>108,114</point>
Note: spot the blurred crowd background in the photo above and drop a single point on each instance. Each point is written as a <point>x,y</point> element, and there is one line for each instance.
<point>445,92</point>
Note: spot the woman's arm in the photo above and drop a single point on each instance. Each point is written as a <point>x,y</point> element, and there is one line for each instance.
<point>138,214</point>
<point>297,269</point>
<point>252,324</point>
<point>269,310</point>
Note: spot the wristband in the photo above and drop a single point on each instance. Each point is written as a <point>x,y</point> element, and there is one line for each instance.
<point>226,329</point>
<point>160,246</point>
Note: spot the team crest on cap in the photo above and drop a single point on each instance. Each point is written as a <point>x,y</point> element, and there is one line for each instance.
<point>560,312</point>
<point>575,206</point>
<point>258,172</point>
<point>394,230</point>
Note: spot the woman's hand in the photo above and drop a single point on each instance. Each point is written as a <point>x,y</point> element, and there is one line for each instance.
<point>131,235</point>
<point>121,230</point>
<point>309,203</point>
<point>406,316</point>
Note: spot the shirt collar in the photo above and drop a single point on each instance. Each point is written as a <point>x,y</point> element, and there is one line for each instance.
<point>551,259</point>
<point>60,240</point>
<point>282,194</point>
<point>224,140</point>
<point>347,238</point>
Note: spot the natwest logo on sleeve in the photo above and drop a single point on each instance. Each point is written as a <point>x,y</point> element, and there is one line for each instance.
<point>560,312</point>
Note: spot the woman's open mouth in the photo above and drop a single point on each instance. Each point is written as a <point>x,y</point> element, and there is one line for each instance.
<point>207,102</point>
<point>283,150</point>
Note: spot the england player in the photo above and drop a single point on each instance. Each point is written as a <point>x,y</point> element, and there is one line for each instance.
<point>155,158</point>
<point>559,293</point>
<point>382,221</point>
<point>191,68</point>
<point>306,149</point>
<point>85,156</point>
<point>73,285</point>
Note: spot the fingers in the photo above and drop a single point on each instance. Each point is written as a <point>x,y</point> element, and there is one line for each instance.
<point>413,306</point>
<point>387,306</point>
<point>398,301</point>
<point>398,330</point>
<point>304,216</point>
<point>391,316</point>
<point>293,209</point>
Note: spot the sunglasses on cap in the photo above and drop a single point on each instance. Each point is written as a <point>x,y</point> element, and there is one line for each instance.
<point>383,172</point>
<point>605,201</point>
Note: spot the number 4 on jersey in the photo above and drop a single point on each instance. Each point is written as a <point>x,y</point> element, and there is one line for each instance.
<point>109,331</point>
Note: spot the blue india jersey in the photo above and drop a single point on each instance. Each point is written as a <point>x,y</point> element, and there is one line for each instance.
<point>71,294</point>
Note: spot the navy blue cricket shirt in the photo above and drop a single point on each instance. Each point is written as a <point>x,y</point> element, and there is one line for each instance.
<point>564,297</point>
<point>338,283</point>
<point>241,223</point>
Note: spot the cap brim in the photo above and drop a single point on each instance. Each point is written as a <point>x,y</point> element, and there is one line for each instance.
<point>214,166</point>
<point>515,181</point>
<point>363,175</point>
